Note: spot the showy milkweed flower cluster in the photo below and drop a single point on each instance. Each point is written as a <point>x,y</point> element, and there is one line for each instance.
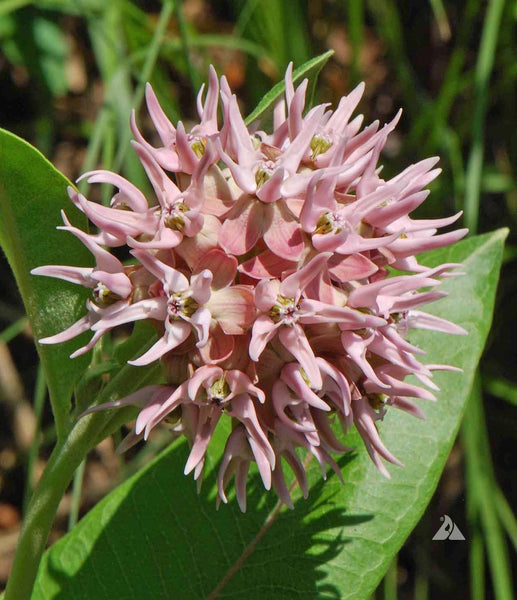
<point>264,259</point>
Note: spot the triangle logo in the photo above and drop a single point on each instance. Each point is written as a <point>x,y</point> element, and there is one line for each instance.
<point>448,530</point>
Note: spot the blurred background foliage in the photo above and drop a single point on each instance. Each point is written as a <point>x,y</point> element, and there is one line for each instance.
<point>72,70</point>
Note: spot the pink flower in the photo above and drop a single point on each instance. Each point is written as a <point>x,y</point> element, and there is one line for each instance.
<point>111,290</point>
<point>264,263</point>
<point>285,309</point>
<point>178,303</point>
<point>181,151</point>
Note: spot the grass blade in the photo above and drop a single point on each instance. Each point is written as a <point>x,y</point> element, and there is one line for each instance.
<point>185,43</point>
<point>152,53</point>
<point>480,485</point>
<point>506,516</point>
<point>484,65</point>
<point>308,68</point>
<point>356,32</point>
<point>13,330</point>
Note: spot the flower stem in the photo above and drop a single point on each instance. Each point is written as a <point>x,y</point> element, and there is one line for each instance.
<point>65,459</point>
<point>77,489</point>
<point>40,394</point>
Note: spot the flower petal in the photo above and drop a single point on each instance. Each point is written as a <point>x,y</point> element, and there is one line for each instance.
<point>283,235</point>
<point>243,226</point>
<point>233,308</point>
<point>293,339</point>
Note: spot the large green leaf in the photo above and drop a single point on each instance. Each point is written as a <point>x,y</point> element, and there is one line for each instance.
<point>153,537</point>
<point>32,192</point>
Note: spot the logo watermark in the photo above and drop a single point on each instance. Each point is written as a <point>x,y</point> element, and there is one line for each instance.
<point>448,530</point>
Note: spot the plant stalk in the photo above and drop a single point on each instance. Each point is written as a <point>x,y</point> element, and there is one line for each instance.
<point>41,511</point>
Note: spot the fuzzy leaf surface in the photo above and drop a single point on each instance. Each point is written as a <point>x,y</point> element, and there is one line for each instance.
<point>154,537</point>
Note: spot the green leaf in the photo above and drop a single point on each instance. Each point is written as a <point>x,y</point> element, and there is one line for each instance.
<point>32,192</point>
<point>310,69</point>
<point>9,6</point>
<point>154,537</point>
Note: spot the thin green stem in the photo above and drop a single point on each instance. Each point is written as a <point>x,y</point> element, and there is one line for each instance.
<point>390,581</point>
<point>388,22</point>
<point>108,153</point>
<point>191,70</point>
<point>77,490</point>
<point>482,510</point>
<point>501,388</point>
<point>13,330</point>
<point>477,565</point>
<point>244,17</point>
<point>496,551</point>
<point>41,511</point>
<point>483,71</point>
<point>506,516</point>
<point>442,21</point>
<point>171,47</point>
<point>453,146</point>
<point>421,586</point>
<point>152,54</point>
<point>104,120</point>
<point>111,56</point>
<point>430,124</point>
<point>356,30</point>
<point>40,393</point>
<point>476,549</point>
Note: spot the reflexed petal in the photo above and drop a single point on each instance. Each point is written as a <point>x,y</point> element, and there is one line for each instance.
<point>202,439</point>
<point>263,331</point>
<point>200,320</point>
<point>165,238</point>
<point>177,333</point>
<point>166,190</point>
<point>105,261</point>
<point>200,286</point>
<point>294,339</point>
<point>299,280</point>
<point>129,194</point>
<point>74,330</point>
<point>80,275</point>
<point>176,281</point>
<point>121,312</point>
<point>415,245</point>
<point>204,376</point>
<point>266,294</point>
<point>420,320</point>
